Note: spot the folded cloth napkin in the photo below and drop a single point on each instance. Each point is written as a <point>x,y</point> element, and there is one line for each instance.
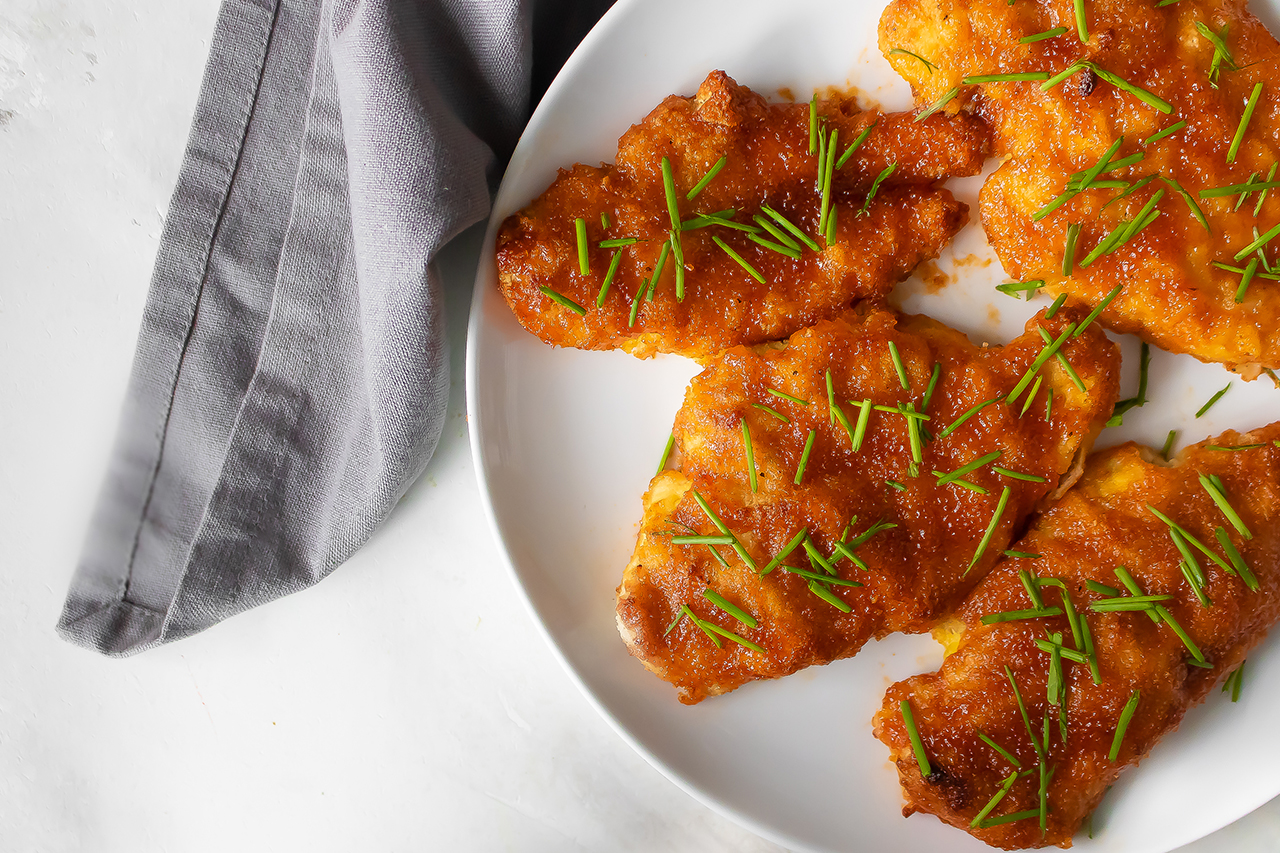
<point>291,374</point>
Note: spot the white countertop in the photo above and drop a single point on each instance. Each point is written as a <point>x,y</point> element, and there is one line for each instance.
<point>406,703</point>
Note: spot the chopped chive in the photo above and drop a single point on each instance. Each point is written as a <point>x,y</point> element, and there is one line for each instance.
<point>666,452</point>
<point>635,303</point>
<point>722,220</point>
<point>828,596</point>
<point>1234,682</point>
<point>608,279</point>
<point>875,186</point>
<point>848,428</point>
<point>1220,498</point>
<point>1237,562</point>
<point>1062,75</point>
<point>701,540</point>
<point>969,466</point>
<point>1191,202</point>
<point>843,550</point>
<point>894,484</point>
<point>1022,555</point>
<point>787,397</point>
<point>1161,134</point>
<point>1236,189</point>
<point>1102,588</point>
<point>899,367</point>
<point>751,458</point>
<point>786,223</point>
<point>1018,475</point>
<point>1048,406</point>
<point>1244,122</point>
<point>913,733</point>
<point>1258,243</point>
<point>1249,271</point>
<point>740,260</point>
<point>929,66</point>
<point>1220,49</point>
<point>831,399</point>
<point>1009,818</point>
<point>991,529</point>
<point>856,144</point>
<point>1262,196</point>
<point>729,607</point>
<point>1139,399</point>
<point>1004,753</point>
<point>729,635</point>
<point>1017,615</point>
<point>661,263</point>
<point>1219,448</point>
<point>618,243</point>
<point>1047,34</point>
<point>772,411</point>
<point>1215,398</point>
<point>821,578</point>
<point>1138,92</point>
<point>871,531</point>
<point>706,179</point>
<point>703,626</point>
<point>1013,288</point>
<point>1189,537</point>
<point>580,230</point>
<point>1019,77</point>
<point>1240,271</point>
<point>1082,25</point>
<point>939,104</point>
<point>1062,359</point>
<point>786,551</point>
<point>775,247</point>
<point>781,236</point>
<point>1125,716</point>
<point>677,256</point>
<point>561,299</point>
<point>933,383</point>
<point>1045,354</point>
<point>719,559</point>
<point>1043,811</point>
<point>1069,253</point>
<point>1167,617</point>
<point>724,528</point>
<point>1245,195</point>
<point>604,222</point>
<point>827,170</point>
<point>1033,589</point>
<point>669,188</point>
<point>1168,443</point>
<point>1005,786</point>
<point>674,623</point>
<point>860,431</point>
<point>973,411</point>
<point>1022,709</point>
<point>1121,602</point>
<point>1093,315</point>
<point>815,556</point>
<point>813,124</point>
<point>1133,189</point>
<point>1035,389</point>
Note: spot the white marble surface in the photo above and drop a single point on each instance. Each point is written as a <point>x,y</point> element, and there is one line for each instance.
<point>406,703</point>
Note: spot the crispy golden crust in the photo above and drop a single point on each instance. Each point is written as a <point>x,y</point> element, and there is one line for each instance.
<point>1173,295</point>
<point>916,571</point>
<point>1101,523</point>
<point>766,147</point>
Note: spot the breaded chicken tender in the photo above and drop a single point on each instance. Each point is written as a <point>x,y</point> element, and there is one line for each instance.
<point>763,268</point>
<point>1140,590</point>
<point>854,481</point>
<point>1124,132</point>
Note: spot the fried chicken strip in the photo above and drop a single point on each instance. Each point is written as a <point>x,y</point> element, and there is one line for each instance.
<point>1104,527</point>
<point>889,217</point>
<point>1182,274</point>
<point>799,513</point>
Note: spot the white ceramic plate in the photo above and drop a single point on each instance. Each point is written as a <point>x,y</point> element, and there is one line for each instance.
<point>566,441</point>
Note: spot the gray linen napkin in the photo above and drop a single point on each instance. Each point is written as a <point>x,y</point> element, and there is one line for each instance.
<point>291,373</point>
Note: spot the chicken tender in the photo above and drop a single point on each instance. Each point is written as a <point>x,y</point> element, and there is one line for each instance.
<point>763,268</point>
<point>856,480</point>
<point>1135,594</point>
<point>1123,133</point>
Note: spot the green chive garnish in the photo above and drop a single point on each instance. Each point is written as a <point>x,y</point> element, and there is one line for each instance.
<point>827,170</point>
<point>1234,448</point>
<point>1262,196</point>
<point>669,188</point>
<point>1020,77</point>
<point>943,479</point>
<point>939,104</point>
<point>751,458</point>
<point>618,243</point>
<point>894,484</point>
<point>1047,34</point>
<point>1102,588</point>
<point>1139,399</point>
<point>960,420</point>
<point>1215,398</point>
<point>991,529</point>
<point>831,399</point>
<point>1022,555</point>
<point>677,256</point>
<point>813,124</point>
<point>666,452</point>
<point>815,556</point>
<point>724,528</point>
<point>740,260</point>
<point>860,431</point>
<point>775,247</point>
<point>703,625</point>
<point>1244,122</point>
<point>604,222</point>
<point>1048,406</point>
<point>787,397</point>
<point>786,551</point>
<point>917,745</point>
<point>828,596</point>
<point>781,236</point>
<point>1082,25</point>
<point>1164,614</point>
<point>1005,786</point>
<point>857,143</point>
<point>1141,94</point>
<point>580,229</point>
<point>1122,726</point>
<point>1018,475</point>
<point>804,458</point>
<point>635,303</point>
<point>786,223</point>
<point>772,411</point>
<point>1220,498</point>
<point>1027,288</point>
<point>1191,202</point>
<point>821,578</point>
<point>1237,561</point>
<point>706,179</point>
<point>1062,360</point>
<point>1234,682</point>
<point>875,185</point>
<point>729,607</point>
<point>899,367</point>
<point>1236,189</point>
<point>701,540</point>
<point>1161,134</point>
<point>1187,535</point>
<point>1249,271</point>
<point>1168,443</point>
<point>729,635</point>
<point>1017,615</point>
<point>1045,354</point>
<point>929,66</point>
<point>933,383</point>
<point>562,300</point>
<point>1069,253</point>
<point>1004,753</point>
<point>1035,389</point>
<point>1093,315</point>
<point>608,279</point>
<point>1258,243</point>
